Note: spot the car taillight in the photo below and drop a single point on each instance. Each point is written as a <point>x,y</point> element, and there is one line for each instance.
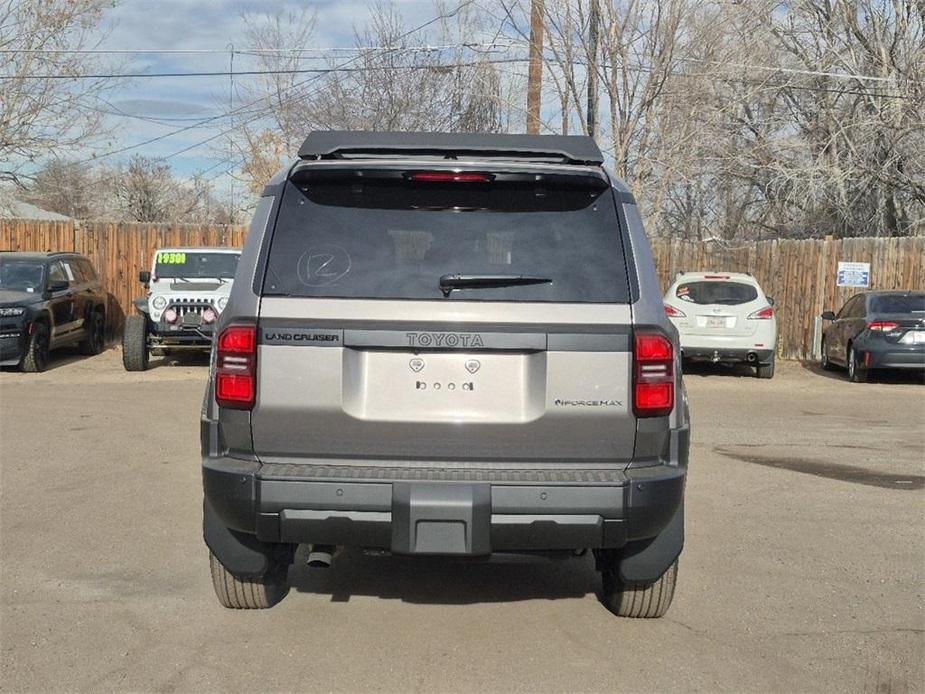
<point>450,176</point>
<point>674,312</point>
<point>883,325</point>
<point>765,313</point>
<point>236,367</point>
<point>653,375</point>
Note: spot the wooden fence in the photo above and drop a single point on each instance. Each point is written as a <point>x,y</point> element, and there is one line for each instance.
<point>800,275</point>
<point>118,251</point>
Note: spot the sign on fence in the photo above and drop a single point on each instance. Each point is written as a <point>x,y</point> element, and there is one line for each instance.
<point>853,275</point>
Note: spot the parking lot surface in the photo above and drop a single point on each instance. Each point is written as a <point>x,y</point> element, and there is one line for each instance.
<point>803,569</point>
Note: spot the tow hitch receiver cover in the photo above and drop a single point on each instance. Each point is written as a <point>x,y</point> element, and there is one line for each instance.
<point>441,518</point>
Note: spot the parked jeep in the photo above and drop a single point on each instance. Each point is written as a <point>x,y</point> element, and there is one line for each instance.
<point>47,301</point>
<point>187,291</point>
<point>446,344</point>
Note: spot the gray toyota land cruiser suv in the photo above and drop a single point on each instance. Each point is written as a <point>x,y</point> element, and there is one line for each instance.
<point>446,344</point>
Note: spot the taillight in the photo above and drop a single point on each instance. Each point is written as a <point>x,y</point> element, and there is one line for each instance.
<point>653,375</point>
<point>450,176</point>
<point>236,367</point>
<point>765,313</point>
<point>883,325</point>
<point>674,312</point>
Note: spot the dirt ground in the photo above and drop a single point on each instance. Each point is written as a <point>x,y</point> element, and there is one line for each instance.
<point>803,570</point>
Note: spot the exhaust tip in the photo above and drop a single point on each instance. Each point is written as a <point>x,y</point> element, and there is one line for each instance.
<point>321,556</point>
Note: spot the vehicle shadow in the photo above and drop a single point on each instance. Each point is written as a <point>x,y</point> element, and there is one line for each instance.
<point>706,368</point>
<point>888,376</point>
<point>59,358</point>
<point>446,580</point>
<point>180,358</point>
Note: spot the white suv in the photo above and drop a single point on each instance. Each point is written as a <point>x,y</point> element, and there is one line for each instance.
<point>723,316</point>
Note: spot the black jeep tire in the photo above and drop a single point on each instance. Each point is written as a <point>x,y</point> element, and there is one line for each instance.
<point>96,335</point>
<point>765,370</point>
<point>638,600</point>
<point>247,593</point>
<point>135,343</point>
<point>36,357</point>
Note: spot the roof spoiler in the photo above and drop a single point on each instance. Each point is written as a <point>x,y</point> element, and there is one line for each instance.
<point>351,144</point>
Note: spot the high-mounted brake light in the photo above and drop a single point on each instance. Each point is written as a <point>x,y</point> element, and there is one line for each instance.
<point>653,375</point>
<point>450,177</point>
<point>765,313</point>
<point>674,312</point>
<point>716,277</point>
<point>236,367</point>
<point>883,325</point>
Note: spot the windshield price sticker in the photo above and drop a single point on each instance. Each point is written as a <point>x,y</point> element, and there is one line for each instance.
<point>172,258</point>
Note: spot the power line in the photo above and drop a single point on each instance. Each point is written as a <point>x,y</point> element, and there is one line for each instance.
<point>236,73</point>
<point>253,51</point>
<point>250,104</point>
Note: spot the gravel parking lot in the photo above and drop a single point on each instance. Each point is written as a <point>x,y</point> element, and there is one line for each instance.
<point>803,569</point>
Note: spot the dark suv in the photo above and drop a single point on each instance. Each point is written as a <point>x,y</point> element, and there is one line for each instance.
<point>48,300</point>
<point>444,344</point>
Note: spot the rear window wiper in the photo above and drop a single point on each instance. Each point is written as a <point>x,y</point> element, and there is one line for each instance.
<point>475,281</point>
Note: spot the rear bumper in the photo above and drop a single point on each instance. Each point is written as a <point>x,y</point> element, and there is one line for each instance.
<point>884,355</point>
<point>720,353</point>
<point>441,511</point>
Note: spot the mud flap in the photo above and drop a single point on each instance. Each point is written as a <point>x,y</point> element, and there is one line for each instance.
<point>242,554</point>
<point>441,518</point>
<point>645,561</point>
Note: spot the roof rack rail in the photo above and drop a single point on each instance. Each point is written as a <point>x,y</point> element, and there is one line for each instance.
<point>351,144</point>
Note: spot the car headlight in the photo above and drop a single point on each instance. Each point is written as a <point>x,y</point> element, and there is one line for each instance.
<point>12,311</point>
<point>222,303</point>
<point>159,302</point>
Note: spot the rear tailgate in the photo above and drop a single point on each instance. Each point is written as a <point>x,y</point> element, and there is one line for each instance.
<point>362,356</point>
<point>457,387</point>
<point>716,308</point>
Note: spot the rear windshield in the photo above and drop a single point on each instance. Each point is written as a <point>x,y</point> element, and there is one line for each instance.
<point>898,303</point>
<point>195,265</point>
<point>394,239</point>
<point>716,292</point>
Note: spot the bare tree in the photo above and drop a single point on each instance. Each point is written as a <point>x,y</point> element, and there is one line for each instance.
<point>65,187</point>
<point>40,112</point>
<point>389,84</point>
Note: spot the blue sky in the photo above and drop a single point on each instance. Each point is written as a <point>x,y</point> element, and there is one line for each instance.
<point>182,101</point>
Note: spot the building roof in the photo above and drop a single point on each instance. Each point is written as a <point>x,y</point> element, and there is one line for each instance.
<point>17,209</point>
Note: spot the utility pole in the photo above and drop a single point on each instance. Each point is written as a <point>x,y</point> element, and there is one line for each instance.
<point>593,30</point>
<point>535,72</point>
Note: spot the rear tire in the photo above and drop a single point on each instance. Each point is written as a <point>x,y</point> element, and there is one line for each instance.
<point>135,343</point>
<point>824,361</point>
<point>856,372</point>
<point>638,600</point>
<point>765,370</point>
<point>95,335</point>
<point>247,593</point>
<point>35,359</point>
